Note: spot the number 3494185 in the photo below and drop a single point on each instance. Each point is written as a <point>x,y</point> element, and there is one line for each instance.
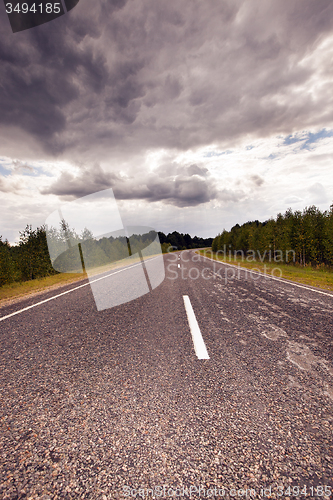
<point>35,8</point>
<point>318,491</point>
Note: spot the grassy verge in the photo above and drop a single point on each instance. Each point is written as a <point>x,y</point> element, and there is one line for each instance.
<point>321,277</point>
<point>20,290</point>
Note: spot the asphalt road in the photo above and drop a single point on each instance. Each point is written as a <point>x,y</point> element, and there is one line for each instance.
<point>105,405</point>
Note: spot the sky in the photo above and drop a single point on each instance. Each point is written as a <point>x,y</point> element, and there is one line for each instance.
<point>199,114</point>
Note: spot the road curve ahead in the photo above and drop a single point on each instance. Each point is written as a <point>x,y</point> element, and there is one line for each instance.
<point>226,393</point>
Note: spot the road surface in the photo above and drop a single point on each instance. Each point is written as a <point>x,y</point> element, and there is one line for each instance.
<point>117,403</point>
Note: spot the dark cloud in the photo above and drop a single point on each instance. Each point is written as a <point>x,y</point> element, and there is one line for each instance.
<point>179,190</point>
<point>257,180</point>
<point>195,170</point>
<point>89,181</point>
<point>129,76</point>
<point>30,102</point>
<point>43,71</point>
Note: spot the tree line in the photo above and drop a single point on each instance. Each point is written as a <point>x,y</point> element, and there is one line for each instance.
<point>30,258</point>
<point>182,241</point>
<point>71,252</point>
<point>301,237</point>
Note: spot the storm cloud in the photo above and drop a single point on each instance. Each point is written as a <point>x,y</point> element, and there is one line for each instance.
<point>187,188</point>
<point>165,74</point>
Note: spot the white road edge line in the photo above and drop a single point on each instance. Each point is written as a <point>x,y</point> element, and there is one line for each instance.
<point>69,291</point>
<point>267,276</point>
<point>199,345</point>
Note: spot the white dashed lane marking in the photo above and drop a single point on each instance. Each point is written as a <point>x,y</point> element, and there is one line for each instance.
<point>199,345</point>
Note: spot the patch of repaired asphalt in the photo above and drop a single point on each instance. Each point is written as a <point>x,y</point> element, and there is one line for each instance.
<point>270,331</point>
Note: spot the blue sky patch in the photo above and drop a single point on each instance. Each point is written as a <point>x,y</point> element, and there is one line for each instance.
<point>272,156</point>
<point>291,140</point>
<point>213,153</point>
<point>4,171</point>
<point>308,139</point>
<point>322,134</point>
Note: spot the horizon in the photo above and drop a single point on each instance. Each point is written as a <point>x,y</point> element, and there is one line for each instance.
<point>188,233</point>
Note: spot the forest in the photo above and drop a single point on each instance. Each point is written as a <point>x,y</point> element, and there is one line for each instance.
<point>182,241</point>
<point>30,258</point>
<point>303,238</point>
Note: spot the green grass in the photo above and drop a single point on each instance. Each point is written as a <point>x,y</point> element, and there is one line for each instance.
<point>320,277</point>
<point>25,288</point>
<point>19,290</point>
